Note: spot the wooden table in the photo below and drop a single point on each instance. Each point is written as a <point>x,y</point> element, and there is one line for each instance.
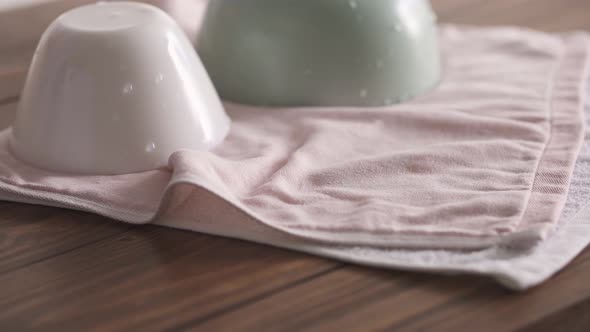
<point>70,271</point>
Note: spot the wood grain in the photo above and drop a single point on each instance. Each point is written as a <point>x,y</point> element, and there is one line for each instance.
<point>148,278</point>
<point>72,271</point>
<point>356,299</point>
<point>30,234</point>
<point>350,299</point>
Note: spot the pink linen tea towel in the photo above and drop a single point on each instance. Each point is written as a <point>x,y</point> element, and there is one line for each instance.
<point>483,161</point>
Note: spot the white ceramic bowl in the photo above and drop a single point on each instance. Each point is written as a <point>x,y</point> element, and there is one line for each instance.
<point>115,88</point>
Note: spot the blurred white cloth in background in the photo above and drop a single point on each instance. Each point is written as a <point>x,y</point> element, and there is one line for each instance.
<point>22,22</point>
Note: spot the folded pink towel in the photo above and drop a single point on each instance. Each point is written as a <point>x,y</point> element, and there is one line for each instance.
<point>484,160</point>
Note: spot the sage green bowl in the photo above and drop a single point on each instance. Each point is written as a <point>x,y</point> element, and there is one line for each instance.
<point>320,52</point>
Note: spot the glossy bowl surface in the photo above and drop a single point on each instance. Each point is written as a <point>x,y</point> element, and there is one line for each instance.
<point>115,88</point>
<point>320,52</point>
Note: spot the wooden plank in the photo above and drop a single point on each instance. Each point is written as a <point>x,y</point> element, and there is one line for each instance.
<point>7,112</point>
<point>573,319</point>
<point>12,81</point>
<point>351,299</point>
<point>492,309</point>
<point>149,278</point>
<point>543,15</point>
<point>30,234</point>
<point>357,299</point>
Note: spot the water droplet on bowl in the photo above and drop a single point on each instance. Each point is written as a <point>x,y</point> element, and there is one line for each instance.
<point>364,93</point>
<point>353,4</point>
<point>379,63</point>
<point>159,78</point>
<point>150,147</point>
<point>127,89</point>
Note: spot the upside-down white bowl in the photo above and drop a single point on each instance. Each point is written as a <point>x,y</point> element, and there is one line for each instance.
<point>115,88</point>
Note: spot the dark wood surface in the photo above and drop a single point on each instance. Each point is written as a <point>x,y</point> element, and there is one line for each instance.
<point>63,270</point>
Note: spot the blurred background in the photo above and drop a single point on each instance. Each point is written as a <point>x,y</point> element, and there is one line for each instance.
<point>23,21</point>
